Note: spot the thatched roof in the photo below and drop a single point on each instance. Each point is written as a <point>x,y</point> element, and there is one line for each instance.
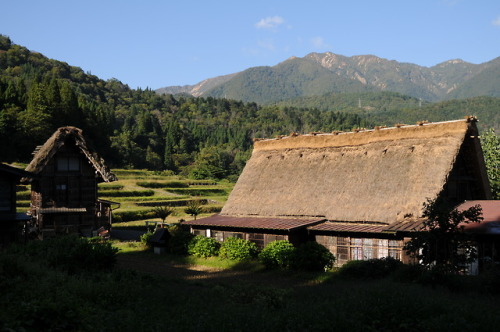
<point>382,175</point>
<point>47,151</point>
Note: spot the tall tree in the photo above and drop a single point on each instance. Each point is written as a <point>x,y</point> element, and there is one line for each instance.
<point>442,242</point>
<point>490,143</point>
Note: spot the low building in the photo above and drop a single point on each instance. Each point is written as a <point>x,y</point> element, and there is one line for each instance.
<point>367,187</point>
<point>64,193</point>
<point>11,222</point>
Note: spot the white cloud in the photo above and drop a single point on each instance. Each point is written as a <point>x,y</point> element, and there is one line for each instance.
<point>497,21</point>
<point>269,22</point>
<point>318,42</point>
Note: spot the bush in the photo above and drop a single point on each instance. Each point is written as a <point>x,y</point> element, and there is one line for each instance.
<point>238,249</point>
<point>370,269</point>
<point>124,216</point>
<point>146,238</point>
<point>312,256</point>
<point>169,184</point>
<point>179,241</point>
<point>127,193</point>
<point>73,254</point>
<point>278,254</point>
<point>201,246</point>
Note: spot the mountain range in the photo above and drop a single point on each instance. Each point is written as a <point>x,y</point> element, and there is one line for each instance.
<point>322,73</point>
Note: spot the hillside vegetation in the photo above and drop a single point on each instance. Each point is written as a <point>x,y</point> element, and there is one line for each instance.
<point>199,137</point>
<point>320,73</point>
<point>389,108</point>
<point>207,137</point>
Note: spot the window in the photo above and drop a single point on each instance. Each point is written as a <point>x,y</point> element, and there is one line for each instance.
<point>395,249</point>
<point>201,232</point>
<point>218,235</point>
<point>257,238</point>
<point>383,248</point>
<point>232,234</point>
<point>68,164</point>
<point>61,187</point>
<point>271,238</point>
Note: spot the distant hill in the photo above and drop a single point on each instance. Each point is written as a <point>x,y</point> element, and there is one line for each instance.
<point>389,108</point>
<point>320,73</point>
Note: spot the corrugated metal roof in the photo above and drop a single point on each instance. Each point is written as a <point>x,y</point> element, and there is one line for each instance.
<point>348,227</point>
<point>491,216</point>
<point>281,223</point>
<point>406,226</point>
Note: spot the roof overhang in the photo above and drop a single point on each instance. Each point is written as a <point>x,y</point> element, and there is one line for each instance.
<point>348,227</point>
<point>251,222</point>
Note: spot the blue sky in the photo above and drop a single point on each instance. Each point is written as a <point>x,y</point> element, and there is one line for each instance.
<point>154,44</point>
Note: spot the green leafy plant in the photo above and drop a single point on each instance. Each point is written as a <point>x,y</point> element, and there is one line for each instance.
<point>370,269</point>
<point>179,241</point>
<point>278,254</point>
<point>443,241</point>
<point>312,256</point>
<point>201,246</point>
<point>146,238</point>
<point>163,212</point>
<point>238,249</point>
<point>73,254</point>
<point>194,208</point>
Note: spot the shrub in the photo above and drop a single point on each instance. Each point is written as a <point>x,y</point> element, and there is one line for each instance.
<point>146,238</point>
<point>179,241</point>
<point>238,249</point>
<point>312,256</point>
<point>73,254</point>
<point>201,246</point>
<point>127,193</point>
<point>170,184</point>
<point>107,186</point>
<point>370,269</point>
<point>124,216</point>
<point>278,254</point>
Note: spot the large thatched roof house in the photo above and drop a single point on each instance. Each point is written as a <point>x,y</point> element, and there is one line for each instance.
<point>358,193</point>
<point>64,192</point>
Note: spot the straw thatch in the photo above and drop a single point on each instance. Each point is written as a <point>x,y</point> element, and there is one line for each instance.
<point>382,175</point>
<point>63,135</point>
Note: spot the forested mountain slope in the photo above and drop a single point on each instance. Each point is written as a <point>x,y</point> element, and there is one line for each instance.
<point>320,73</point>
<point>205,137</point>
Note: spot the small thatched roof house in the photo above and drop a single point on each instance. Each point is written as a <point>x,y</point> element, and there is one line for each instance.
<point>370,186</point>
<point>64,191</point>
<point>44,154</point>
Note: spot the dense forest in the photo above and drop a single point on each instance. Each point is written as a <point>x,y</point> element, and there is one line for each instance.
<point>202,137</point>
<point>389,108</point>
